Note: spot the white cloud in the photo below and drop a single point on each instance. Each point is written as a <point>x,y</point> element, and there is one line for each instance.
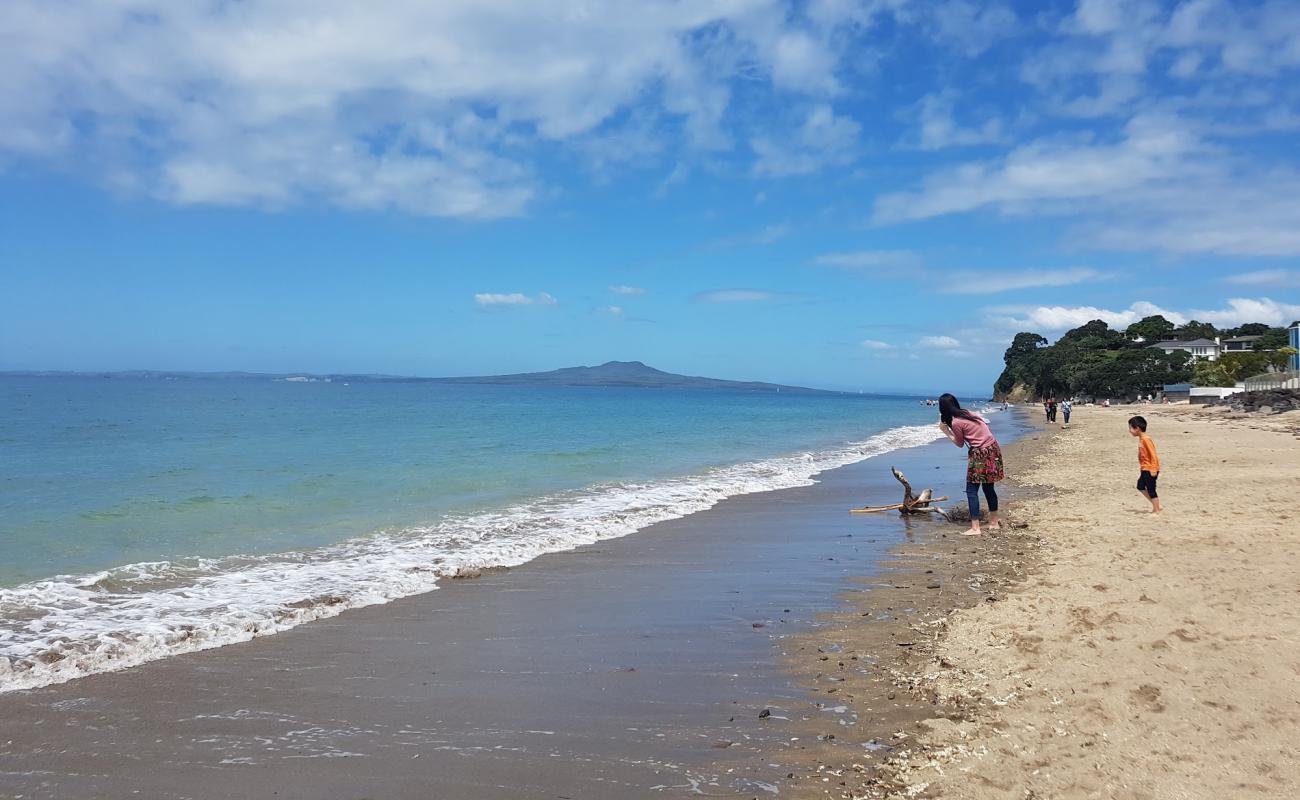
<point>1217,207</point>
<point>938,127</point>
<point>994,281</point>
<point>740,296</point>
<point>876,344</point>
<point>514,299</point>
<point>804,63</point>
<point>973,27</point>
<point>871,260</point>
<point>613,311</point>
<point>430,108</point>
<point>938,343</point>
<point>1161,186</point>
<point>1059,318</point>
<point>825,139</point>
<point>1046,171</point>
<point>1243,310</point>
<point>628,290</point>
<point>1277,278</point>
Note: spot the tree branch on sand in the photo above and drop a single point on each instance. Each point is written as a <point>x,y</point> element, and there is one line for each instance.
<point>912,503</point>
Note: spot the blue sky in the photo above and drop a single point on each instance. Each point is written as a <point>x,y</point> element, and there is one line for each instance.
<point>838,193</point>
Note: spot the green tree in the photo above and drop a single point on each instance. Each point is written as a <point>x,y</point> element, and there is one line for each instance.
<point>1144,370</point>
<point>1091,359</point>
<point>1196,330</point>
<point>1150,329</point>
<point>1093,335</point>
<point>1211,373</point>
<point>1272,339</point>
<point>1021,360</point>
<point>1280,359</point>
<point>1249,329</point>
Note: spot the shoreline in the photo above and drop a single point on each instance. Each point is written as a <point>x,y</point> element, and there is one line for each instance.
<point>642,662</point>
<point>1122,648</point>
<point>115,630</point>
<point>871,677</point>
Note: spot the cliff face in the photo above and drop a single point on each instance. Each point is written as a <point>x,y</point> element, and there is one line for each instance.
<point>1018,393</point>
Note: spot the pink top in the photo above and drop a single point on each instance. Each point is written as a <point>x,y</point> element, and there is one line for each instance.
<point>974,432</point>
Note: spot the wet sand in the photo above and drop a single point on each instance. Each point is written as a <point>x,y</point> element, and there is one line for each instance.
<point>638,667</point>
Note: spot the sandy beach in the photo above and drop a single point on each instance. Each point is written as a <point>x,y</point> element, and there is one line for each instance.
<point>777,646</point>
<point>1114,654</point>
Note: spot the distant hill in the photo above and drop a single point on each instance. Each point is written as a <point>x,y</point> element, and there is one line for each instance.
<point>627,373</point>
<point>612,373</point>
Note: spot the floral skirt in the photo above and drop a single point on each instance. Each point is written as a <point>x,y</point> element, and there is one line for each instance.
<point>984,464</point>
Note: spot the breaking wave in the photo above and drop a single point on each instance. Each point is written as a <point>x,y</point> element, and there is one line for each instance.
<point>69,626</point>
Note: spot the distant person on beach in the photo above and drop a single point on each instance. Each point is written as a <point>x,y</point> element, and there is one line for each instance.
<point>1148,462</point>
<point>1065,410</point>
<point>983,462</point>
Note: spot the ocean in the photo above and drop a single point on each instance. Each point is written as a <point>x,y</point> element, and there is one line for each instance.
<point>141,518</point>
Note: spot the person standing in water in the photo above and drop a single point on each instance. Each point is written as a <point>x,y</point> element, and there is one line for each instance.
<point>983,461</point>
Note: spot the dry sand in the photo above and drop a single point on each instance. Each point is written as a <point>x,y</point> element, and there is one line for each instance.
<point>1141,657</point>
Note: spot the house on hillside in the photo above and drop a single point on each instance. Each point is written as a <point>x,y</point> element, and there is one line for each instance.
<point>1239,344</point>
<point>1199,348</point>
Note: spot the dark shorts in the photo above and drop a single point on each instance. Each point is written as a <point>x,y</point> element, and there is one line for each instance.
<point>1147,483</point>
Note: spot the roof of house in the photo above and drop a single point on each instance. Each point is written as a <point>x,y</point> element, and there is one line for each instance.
<point>1243,339</point>
<point>1193,343</point>
<point>1177,387</point>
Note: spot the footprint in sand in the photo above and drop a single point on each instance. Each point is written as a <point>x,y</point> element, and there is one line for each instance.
<point>1149,696</point>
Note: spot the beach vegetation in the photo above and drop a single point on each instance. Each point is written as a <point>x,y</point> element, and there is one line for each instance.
<point>1270,339</point>
<point>1232,368</point>
<point>1098,361</point>
<point>1092,360</point>
<point>1150,329</point>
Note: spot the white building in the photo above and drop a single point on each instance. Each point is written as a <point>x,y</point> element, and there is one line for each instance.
<point>1199,348</point>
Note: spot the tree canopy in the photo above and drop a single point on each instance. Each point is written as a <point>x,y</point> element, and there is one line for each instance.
<point>1150,329</point>
<point>1093,359</point>
<point>1271,339</point>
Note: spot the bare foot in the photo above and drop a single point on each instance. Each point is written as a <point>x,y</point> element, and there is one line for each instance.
<point>993,527</point>
<point>972,532</point>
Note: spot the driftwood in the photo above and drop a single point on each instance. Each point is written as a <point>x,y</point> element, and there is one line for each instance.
<point>912,503</point>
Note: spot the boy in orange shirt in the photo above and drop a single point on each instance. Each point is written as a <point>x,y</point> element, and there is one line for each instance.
<point>1148,462</point>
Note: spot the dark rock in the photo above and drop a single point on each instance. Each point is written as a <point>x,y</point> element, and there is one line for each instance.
<point>1267,401</point>
<point>765,713</point>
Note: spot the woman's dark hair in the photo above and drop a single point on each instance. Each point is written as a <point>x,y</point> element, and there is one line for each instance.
<point>949,408</point>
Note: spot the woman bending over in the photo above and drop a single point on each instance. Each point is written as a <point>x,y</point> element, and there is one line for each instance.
<point>983,462</point>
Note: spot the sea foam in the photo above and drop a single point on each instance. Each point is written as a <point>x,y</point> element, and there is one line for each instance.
<point>69,626</point>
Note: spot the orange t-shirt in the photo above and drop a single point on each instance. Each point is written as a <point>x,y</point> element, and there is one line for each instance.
<point>1147,458</point>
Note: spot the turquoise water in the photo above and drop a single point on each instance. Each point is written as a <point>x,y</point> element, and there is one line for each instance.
<point>181,514</point>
